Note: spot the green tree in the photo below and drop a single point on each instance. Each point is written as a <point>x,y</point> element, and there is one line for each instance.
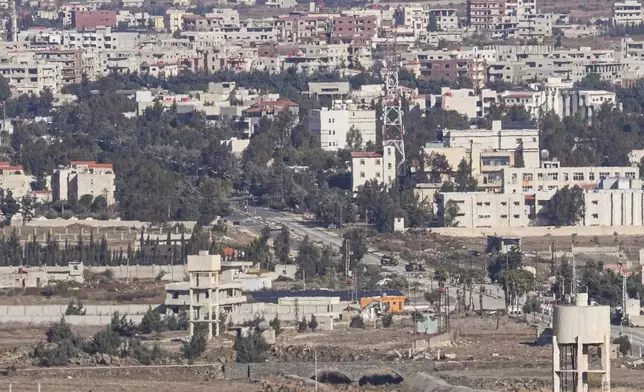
<point>566,207</point>
<point>151,322</point>
<point>450,214</point>
<point>251,348</point>
<point>437,166</point>
<point>354,139</point>
<point>465,182</point>
<point>355,239</point>
<point>195,347</point>
<point>313,324</point>
<point>5,90</point>
<point>106,341</point>
<point>281,245</point>
<point>308,258</point>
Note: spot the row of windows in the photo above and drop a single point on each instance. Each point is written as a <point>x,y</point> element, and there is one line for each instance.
<point>576,176</point>
<point>487,216</point>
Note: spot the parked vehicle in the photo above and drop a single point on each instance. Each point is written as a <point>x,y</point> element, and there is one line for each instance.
<point>388,260</point>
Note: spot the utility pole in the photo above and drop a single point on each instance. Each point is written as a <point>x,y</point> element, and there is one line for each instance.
<point>573,283</point>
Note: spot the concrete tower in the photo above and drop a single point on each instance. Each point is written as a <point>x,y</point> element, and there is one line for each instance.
<point>203,272</point>
<point>578,331</point>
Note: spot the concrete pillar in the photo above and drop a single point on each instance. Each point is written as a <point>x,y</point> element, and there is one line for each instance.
<point>556,365</point>
<point>579,352</point>
<point>605,351</point>
<point>211,282</point>
<point>217,304</point>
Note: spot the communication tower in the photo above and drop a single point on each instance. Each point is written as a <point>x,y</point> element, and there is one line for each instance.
<point>393,129</point>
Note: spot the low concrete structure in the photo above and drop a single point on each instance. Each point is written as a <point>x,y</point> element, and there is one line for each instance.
<point>23,277</point>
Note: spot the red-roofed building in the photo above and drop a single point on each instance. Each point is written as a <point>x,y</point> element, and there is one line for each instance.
<point>368,166</point>
<point>260,109</point>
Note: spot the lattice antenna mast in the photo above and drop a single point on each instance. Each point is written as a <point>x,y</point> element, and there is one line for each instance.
<point>393,129</point>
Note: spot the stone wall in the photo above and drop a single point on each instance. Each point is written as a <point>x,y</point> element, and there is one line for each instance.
<point>539,231</point>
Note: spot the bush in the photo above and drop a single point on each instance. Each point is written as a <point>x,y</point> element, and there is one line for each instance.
<point>313,324</point>
<point>121,325</point>
<point>303,325</point>
<point>387,320</point>
<point>55,355</point>
<point>251,348</point>
<point>151,322</point>
<point>106,341</point>
<point>60,332</point>
<point>146,355</point>
<point>624,344</point>
<point>277,325</point>
<point>75,310</point>
<point>195,347</point>
<point>356,322</point>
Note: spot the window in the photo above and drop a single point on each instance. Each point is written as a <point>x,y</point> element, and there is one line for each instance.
<point>516,203</point>
<point>603,175</point>
<point>566,176</point>
<point>595,202</point>
<point>362,161</point>
<point>175,295</point>
<point>377,174</point>
<point>504,217</point>
<point>591,176</point>
<point>540,176</point>
<point>577,176</point>
<point>504,203</point>
<point>552,187</point>
<point>630,175</point>
<point>553,176</point>
<point>519,140</point>
<point>595,216</point>
<point>487,203</point>
<point>377,162</point>
<point>516,216</point>
<point>389,166</point>
<point>362,175</point>
<point>479,204</point>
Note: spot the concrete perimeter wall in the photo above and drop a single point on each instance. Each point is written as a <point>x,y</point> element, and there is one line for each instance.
<point>539,231</point>
<point>175,273</point>
<point>95,314</point>
<point>287,312</point>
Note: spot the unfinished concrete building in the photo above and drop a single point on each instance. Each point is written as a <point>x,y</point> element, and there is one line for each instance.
<point>578,332</point>
<point>203,275</point>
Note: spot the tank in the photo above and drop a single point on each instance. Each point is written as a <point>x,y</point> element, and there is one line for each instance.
<point>590,323</point>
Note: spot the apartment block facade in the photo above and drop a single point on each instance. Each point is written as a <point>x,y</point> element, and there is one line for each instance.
<point>84,178</point>
<point>483,209</point>
<point>367,166</point>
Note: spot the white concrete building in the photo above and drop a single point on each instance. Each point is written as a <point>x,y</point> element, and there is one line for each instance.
<point>502,137</point>
<point>367,166</point>
<point>619,207</point>
<point>627,13</point>
<point>332,125</point>
<point>551,177</point>
<point>32,77</point>
<point>483,209</point>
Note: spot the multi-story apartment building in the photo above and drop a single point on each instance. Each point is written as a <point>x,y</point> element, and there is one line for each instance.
<point>70,60</point>
<point>332,125</point>
<point>453,70</point>
<point>32,77</point>
<point>174,19</point>
<point>84,178</point>
<point>222,17</point>
<point>503,136</point>
<point>552,177</point>
<point>483,209</point>
<point>93,19</point>
<point>469,102</point>
<point>627,13</point>
<point>100,38</point>
<point>415,17</point>
<point>367,166</point>
<point>446,18</point>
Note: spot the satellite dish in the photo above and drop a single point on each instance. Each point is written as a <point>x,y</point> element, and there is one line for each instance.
<point>545,154</point>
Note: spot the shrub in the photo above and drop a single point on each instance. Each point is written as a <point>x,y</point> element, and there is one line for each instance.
<point>387,320</point>
<point>356,322</point>
<point>60,332</point>
<point>303,325</point>
<point>121,325</point>
<point>151,322</point>
<point>195,347</point>
<point>106,341</point>
<point>251,348</point>
<point>624,344</point>
<point>55,355</point>
<point>75,310</point>
<point>146,355</point>
<point>313,324</point>
<point>277,325</point>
